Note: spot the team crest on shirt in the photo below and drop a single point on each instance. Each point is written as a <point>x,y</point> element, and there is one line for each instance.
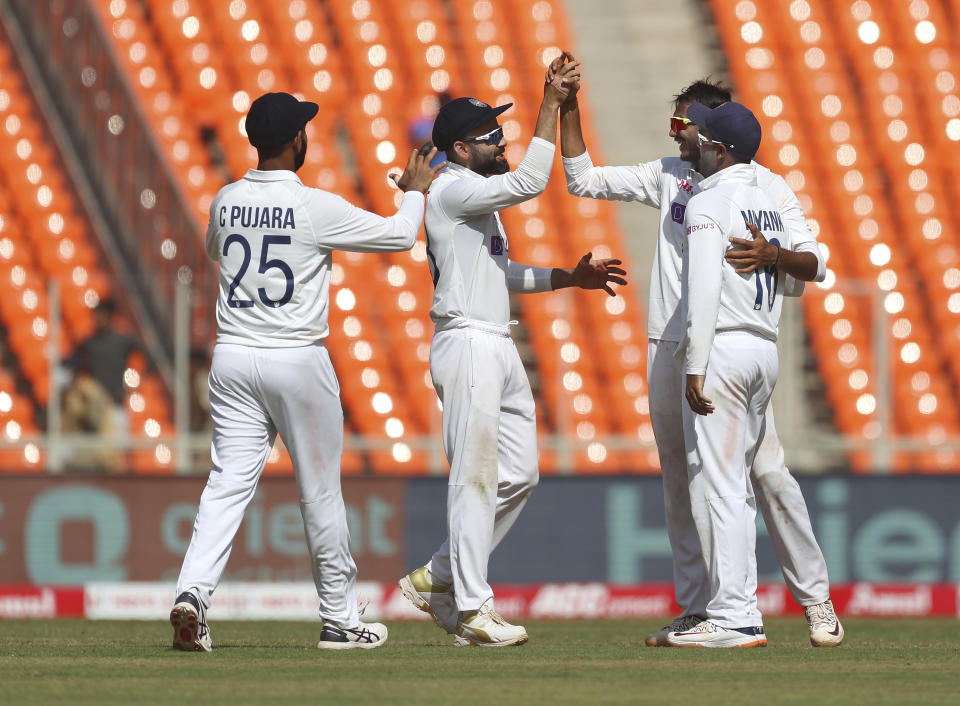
<point>677,210</point>
<point>496,245</point>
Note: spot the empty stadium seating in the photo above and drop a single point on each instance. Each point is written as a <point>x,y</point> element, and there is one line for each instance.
<point>860,110</point>
<point>843,91</point>
<point>44,238</point>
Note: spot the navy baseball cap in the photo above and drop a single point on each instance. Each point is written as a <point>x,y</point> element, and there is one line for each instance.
<point>275,118</point>
<point>732,124</point>
<point>460,116</point>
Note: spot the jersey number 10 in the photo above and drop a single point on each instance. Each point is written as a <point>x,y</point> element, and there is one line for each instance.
<point>770,275</point>
<point>265,264</point>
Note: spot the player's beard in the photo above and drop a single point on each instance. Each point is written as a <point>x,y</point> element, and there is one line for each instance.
<point>488,164</point>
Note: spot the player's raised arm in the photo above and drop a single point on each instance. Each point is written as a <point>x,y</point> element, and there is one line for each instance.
<point>347,227</point>
<point>467,130</point>
<point>629,183</point>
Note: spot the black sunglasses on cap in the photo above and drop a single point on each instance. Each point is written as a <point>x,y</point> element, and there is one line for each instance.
<point>491,138</point>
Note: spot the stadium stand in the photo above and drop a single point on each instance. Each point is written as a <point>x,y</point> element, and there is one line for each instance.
<point>353,55</point>
<point>870,163</point>
<point>44,236</point>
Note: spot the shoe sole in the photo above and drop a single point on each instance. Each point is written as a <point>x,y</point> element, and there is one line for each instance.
<point>460,641</point>
<point>755,643</point>
<point>410,592</point>
<point>351,645</point>
<point>412,595</point>
<point>185,629</point>
<point>652,641</point>
<point>827,645</point>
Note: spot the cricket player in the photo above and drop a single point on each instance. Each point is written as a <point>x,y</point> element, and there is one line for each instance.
<point>668,184</point>
<point>489,424</point>
<point>730,365</point>
<point>274,238</point>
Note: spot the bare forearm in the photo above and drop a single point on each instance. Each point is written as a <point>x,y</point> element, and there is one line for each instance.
<point>571,134</point>
<point>547,121</point>
<point>561,277</point>
<point>802,265</point>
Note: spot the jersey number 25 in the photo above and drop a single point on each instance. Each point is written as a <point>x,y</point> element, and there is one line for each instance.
<point>265,264</point>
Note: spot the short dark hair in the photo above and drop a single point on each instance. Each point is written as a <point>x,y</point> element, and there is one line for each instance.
<point>711,94</point>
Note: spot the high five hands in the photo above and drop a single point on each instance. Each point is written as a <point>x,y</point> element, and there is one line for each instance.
<point>562,80</point>
<point>555,76</point>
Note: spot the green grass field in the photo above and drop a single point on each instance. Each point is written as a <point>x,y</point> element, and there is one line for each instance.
<point>589,662</point>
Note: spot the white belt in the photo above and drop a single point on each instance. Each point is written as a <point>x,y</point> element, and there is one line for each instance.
<point>485,326</point>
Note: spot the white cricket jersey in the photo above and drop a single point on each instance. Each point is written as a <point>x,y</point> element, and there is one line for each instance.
<point>715,297</point>
<point>467,248</point>
<point>273,238</point>
<point>668,184</point>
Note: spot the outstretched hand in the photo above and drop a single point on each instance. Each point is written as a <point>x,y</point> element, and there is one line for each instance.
<point>749,255</point>
<point>598,274</point>
<point>419,174</point>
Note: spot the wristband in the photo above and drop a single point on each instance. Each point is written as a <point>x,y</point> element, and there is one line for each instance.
<point>777,261</point>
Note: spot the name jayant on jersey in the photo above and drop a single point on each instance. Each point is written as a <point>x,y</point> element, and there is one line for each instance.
<point>763,220</point>
<point>272,217</point>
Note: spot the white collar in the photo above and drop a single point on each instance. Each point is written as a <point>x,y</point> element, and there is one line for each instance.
<point>271,175</point>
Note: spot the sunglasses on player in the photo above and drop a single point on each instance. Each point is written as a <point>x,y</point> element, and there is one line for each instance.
<point>704,140</point>
<point>677,123</point>
<point>491,138</point>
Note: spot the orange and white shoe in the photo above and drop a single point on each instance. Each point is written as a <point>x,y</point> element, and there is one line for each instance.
<point>706,633</point>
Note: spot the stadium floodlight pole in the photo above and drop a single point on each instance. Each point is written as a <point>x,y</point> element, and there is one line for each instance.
<point>881,366</point>
<point>181,375</point>
<point>54,456</point>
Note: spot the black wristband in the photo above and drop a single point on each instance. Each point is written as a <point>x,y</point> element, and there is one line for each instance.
<point>777,261</point>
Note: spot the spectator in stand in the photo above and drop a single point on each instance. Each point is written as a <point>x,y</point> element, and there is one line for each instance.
<point>105,354</point>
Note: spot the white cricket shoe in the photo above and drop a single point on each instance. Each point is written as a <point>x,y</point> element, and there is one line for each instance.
<point>486,628</point>
<point>708,634</point>
<point>189,621</point>
<point>825,628</point>
<point>365,636</point>
<point>420,588</point>
<point>681,624</point>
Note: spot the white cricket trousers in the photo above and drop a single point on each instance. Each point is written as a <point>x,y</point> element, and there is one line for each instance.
<point>778,496</point>
<point>254,394</point>
<point>721,448</point>
<point>490,438</point>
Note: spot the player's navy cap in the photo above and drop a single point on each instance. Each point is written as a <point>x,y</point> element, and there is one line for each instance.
<point>460,116</point>
<point>732,124</point>
<point>276,118</point>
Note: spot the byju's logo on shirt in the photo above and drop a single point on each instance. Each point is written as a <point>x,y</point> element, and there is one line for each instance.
<point>676,212</point>
<point>496,245</point>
